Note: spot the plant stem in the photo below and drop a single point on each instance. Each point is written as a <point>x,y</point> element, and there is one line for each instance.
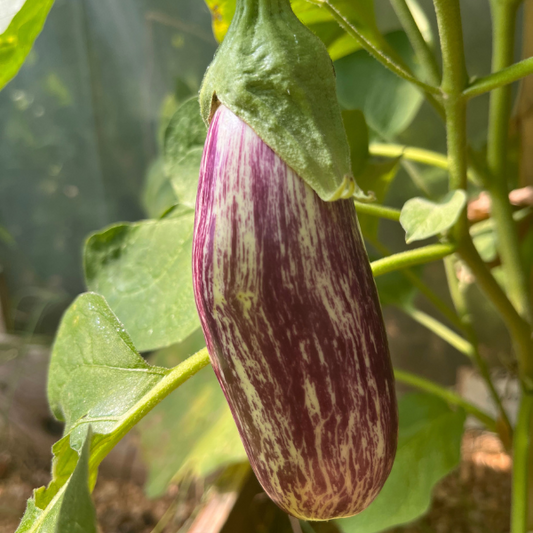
<point>377,210</point>
<point>399,69</point>
<point>423,51</point>
<point>504,22</point>
<point>502,77</point>
<point>517,326</point>
<point>176,377</point>
<point>427,157</point>
<point>461,307</point>
<point>424,254</point>
<point>427,291</point>
<point>454,75</point>
<point>454,80</point>
<point>419,155</point>
<point>442,331</point>
<point>519,507</point>
<point>451,397</point>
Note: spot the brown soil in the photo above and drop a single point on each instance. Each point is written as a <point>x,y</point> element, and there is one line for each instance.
<point>475,498</point>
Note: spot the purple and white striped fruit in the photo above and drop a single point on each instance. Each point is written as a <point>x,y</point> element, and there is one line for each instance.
<point>293,326</point>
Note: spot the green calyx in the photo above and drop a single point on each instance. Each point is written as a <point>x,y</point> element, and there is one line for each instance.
<point>277,76</point>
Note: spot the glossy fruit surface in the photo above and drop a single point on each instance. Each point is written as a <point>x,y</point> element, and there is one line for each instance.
<point>294,328</point>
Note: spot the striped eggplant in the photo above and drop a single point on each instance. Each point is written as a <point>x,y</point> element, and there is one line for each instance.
<point>293,325</point>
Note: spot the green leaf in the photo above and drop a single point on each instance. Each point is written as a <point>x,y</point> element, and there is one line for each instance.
<point>95,373</point>
<point>98,380</point>
<point>421,218</point>
<point>158,195</point>
<point>191,432</point>
<point>65,507</point>
<point>377,177</point>
<point>184,144</point>
<point>357,133</point>
<point>144,270</point>
<point>429,447</point>
<point>484,240</point>
<point>388,102</point>
<point>77,514</point>
<point>17,40</point>
<point>395,289</point>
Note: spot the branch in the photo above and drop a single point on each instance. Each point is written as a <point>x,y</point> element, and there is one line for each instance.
<point>423,51</point>
<point>177,376</point>
<point>418,256</point>
<point>377,210</point>
<point>502,77</point>
<point>442,331</point>
<point>520,466</point>
<point>451,397</point>
<point>384,59</point>
<point>427,291</point>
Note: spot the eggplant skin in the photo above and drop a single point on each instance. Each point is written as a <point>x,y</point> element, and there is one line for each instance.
<point>293,326</point>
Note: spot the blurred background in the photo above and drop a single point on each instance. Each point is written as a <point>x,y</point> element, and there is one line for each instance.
<point>81,130</point>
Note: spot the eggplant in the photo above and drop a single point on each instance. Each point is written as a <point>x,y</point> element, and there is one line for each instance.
<point>293,326</point>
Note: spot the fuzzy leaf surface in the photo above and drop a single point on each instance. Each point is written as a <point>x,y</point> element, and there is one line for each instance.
<point>429,447</point>
<point>144,270</point>
<point>98,380</point>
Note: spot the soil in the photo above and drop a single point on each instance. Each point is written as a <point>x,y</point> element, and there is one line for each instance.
<point>475,498</point>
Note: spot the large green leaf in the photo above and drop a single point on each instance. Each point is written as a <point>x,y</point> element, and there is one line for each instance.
<point>359,12</point>
<point>144,270</point>
<point>429,447</point>
<point>421,218</point>
<point>191,432</point>
<point>17,40</point>
<point>98,380</point>
<point>184,143</point>
<point>389,103</point>
<point>72,509</point>
<point>95,373</point>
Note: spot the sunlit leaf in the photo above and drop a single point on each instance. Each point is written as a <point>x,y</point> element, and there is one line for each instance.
<point>96,380</point>
<point>144,270</point>
<point>17,40</point>
<point>65,507</point>
<point>77,513</point>
<point>422,218</point>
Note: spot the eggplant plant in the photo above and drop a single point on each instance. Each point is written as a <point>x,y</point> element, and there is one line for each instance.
<point>272,189</point>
